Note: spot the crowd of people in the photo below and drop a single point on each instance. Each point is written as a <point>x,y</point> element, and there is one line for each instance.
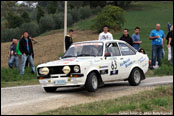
<point>21,52</point>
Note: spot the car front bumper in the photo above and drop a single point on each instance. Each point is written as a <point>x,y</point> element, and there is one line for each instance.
<point>62,80</point>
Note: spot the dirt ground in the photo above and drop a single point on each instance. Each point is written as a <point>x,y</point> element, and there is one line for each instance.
<point>48,47</point>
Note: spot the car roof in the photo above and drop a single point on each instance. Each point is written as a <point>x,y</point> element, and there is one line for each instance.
<point>103,41</point>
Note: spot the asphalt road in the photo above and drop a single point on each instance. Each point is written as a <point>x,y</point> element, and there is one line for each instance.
<point>33,99</point>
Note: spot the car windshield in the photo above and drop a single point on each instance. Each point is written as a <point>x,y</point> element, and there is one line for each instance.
<point>85,50</point>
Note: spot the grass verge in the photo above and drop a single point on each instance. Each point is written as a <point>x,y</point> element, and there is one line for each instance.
<point>157,100</point>
<point>11,77</point>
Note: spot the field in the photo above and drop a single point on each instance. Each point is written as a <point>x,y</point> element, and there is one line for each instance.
<point>50,44</point>
<point>159,100</point>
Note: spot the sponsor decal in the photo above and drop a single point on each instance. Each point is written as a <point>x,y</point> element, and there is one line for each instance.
<point>142,59</point>
<point>124,62</point>
<point>82,44</point>
<point>102,72</point>
<point>127,65</point>
<point>144,65</point>
<point>114,72</point>
<point>65,62</point>
<point>103,66</point>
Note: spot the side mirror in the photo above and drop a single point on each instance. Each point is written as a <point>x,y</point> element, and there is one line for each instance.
<point>60,57</point>
<point>107,54</point>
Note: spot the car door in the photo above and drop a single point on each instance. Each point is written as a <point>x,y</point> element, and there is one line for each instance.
<point>112,59</point>
<point>126,60</point>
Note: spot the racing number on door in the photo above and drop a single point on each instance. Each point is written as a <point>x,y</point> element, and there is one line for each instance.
<point>114,65</point>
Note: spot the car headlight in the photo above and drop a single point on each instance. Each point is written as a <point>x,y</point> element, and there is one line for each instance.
<point>76,69</point>
<point>66,69</point>
<point>44,71</point>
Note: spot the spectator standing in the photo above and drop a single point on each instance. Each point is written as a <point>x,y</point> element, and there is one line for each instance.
<point>27,63</point>
<point>136,39</point>
<point>105,35</point>
<point>158,38</point>
<point>68,39</point>
<point>126,37</point>
<point>19,54</point>
<point>13,59</point>
<point>170,44</point>
<point>26,48</point>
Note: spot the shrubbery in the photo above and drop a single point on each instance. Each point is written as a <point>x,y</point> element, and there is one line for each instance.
<point>111,16</point>
<point>46,23</point>
<point>32,28</point>
<point>9,34</point>
<point>85,12</point>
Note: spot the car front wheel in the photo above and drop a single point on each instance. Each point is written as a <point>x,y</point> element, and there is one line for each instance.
<point>135,77</point>
<point>91,82</point>
<point>50,89</point>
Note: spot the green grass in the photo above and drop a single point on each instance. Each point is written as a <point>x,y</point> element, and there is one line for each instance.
<point>159,99</point>
<point>11,77</point>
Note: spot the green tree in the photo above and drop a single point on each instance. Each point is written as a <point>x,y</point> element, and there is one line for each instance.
<point>14,20</point>
<point>52,7</point>
<point>111,16</point>
<point>26,17</point>
<point>40,13</point>
<point>46,23</point>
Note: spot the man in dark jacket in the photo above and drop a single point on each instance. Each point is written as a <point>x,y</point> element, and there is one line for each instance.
<point>26,48</point>
<point>126,37</point>
<point>68,39</point>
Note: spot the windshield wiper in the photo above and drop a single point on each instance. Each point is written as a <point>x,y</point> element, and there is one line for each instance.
<point>67,56</point>
<point>85,55</point>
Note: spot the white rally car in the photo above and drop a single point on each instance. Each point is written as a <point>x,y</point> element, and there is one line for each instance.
<point>93,63</point>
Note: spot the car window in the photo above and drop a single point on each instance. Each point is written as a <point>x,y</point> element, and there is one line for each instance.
<point>126,50</point>
<point>113,49</point>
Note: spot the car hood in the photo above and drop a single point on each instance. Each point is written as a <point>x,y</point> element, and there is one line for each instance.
<point>69,61</point>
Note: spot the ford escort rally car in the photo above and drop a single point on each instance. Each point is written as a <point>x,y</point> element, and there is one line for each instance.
<point>93,63</point>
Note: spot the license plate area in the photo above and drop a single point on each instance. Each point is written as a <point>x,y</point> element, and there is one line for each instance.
<point>60,82</point>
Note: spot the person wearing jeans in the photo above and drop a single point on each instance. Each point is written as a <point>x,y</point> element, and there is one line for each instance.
<point>170,44</point>
<point>26,48</point>
<point>158,38</point>
<point>24,59</point>
<point>13,59</point>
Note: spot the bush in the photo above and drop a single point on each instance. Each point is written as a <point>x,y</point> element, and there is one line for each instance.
<point>40,13</point>
<point>85,12</point>
<point>75,15</point>
<point>26,18</point>
<point>96,10</point>
<point>58,20</point>
<point>14,20</point>
<point>46,23</point>
<point>32,28</point>
<point>9,34</point>
<point>111,16</point>
<point>69,19</point>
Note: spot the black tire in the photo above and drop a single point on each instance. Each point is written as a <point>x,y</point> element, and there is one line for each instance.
<point>89,85</point>
<point>135,77</point>
<point>50,89</point>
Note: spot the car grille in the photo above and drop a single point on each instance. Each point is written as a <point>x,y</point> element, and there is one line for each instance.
<point>57,70</point>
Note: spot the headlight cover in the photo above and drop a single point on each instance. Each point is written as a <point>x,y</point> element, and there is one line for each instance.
<point>76,69</point>
<point>66,69</point>
<point>44,71</point>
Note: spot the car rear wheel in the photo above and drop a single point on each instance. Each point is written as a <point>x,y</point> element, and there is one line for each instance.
<point>91,82</point>
<point>135,77</point>
<point>50,89</point>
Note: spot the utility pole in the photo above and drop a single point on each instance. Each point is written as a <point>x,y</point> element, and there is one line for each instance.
<point>65,23</point>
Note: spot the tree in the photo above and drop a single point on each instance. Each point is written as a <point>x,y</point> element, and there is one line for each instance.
<point>52,6</point>
<point>111,16</point>
<point>26,17</point>
<point>14,20</point>
<point>40,13</point>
